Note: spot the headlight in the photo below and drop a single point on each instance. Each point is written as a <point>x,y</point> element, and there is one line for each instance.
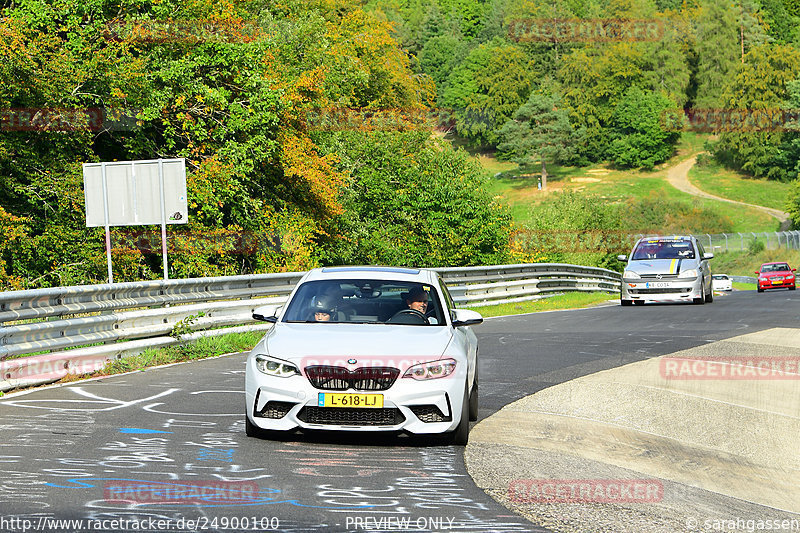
<point>630,274</point>
<point>691,273</point>
<point>431,370</point>
<point>276,367</point>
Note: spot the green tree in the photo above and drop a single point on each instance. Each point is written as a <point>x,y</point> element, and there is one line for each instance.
<point>413,200</point>
<point>539,131</point>
<point>485,90</point>
<point>761,84</point>
<point>640,138</point>
<point>718,50</point>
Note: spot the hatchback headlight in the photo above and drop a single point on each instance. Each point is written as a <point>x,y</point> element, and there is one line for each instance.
<point>630,274</point>
<point>431,370</point>
<point>691,273</point>
<point>276,367</point>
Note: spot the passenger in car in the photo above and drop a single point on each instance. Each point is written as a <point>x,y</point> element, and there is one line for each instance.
<point>323,308</point>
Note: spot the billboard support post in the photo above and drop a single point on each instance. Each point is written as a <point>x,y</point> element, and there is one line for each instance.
<point>163,219</point>
<point>108,227</point>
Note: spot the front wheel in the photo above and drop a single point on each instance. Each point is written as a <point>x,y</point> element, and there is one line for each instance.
<point>473,401</point>
<point>460,436</point>
<point>626,302</point>
<point>710,296</point>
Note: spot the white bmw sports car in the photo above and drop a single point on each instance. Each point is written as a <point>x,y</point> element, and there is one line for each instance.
<point>365,349</point>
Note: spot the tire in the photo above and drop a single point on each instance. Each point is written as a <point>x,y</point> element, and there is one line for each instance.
<point>793,287</point>
<point>710,296</point>
<point>639,302</point>
<point>626,302</point>
<point>760,289</point>
<point>460,436</point>
<point>250,429</point>
<point>702,299</point>
<point>473,400</point>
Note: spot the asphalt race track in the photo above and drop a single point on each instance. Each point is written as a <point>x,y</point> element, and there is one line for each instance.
<point>165,449</point>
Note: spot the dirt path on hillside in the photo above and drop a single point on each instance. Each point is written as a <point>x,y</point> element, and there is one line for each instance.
<point>678,177</point>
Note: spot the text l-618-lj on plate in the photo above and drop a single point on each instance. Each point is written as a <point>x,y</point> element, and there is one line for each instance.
<point>330,399</point>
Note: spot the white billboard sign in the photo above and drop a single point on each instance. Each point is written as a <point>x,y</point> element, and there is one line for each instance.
<point>133,191</point>
<point>136,193</point>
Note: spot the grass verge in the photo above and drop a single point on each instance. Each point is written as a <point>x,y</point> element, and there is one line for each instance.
<point>202,348</point>
<point>720,181</point>
<point>569,300</point>
<point>745,263</point>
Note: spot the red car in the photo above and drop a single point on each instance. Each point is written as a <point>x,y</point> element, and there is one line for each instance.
<point>776,276</point>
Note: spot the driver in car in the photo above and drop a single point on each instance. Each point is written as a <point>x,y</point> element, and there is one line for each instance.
<point>417,299</point>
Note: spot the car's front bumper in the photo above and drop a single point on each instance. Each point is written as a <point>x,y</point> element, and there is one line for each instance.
<point>653,289</point>
<point>770,283</point>
<point>283,404</point>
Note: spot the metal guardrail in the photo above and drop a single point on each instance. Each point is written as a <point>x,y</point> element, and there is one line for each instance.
<point>85,326</point>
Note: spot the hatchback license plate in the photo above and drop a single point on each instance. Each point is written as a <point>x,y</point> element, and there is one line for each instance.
<point>658,285</point>
<point>350,400</point>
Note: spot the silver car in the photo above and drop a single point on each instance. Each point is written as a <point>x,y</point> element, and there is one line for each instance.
<point>667,268</point>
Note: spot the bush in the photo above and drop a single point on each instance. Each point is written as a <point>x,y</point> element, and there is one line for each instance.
<point>756,246</point>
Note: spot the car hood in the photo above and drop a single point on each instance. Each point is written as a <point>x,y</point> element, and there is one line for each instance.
<point>335,344</point>
<point>661,266</point>
<point>781,273</point>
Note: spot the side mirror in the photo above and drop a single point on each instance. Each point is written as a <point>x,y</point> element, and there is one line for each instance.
<point>465,317</point>
<point>622,257</point>
<point>708,255</point>
<point>757,272</point>
<point>266,313</point>
<point>794,270</point>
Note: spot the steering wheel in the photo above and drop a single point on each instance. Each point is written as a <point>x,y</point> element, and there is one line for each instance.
<point>408,316</point>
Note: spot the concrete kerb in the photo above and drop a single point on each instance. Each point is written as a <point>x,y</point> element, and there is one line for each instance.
<point>721,448</point>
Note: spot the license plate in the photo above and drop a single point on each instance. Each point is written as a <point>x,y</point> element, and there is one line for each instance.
<point>329,399</point>
<point>657,285</point>
<point>777,282</point>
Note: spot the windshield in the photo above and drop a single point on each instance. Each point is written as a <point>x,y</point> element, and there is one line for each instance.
<point>777,267</point>
<point>365,301</point>
<point>664,249</point>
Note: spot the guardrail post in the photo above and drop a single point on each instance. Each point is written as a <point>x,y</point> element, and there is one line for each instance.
<point>741,237</point>
<point>710,244</point>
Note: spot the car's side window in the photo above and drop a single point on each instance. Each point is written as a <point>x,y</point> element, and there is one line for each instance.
<point>448,299</point>
<point>700,250</point>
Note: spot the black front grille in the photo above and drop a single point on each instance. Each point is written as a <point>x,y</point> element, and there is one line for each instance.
<point>340,378</point>
<point>660,291</point>
<point>429,413</point>
<point>351,417</point>
<point>275,409</point>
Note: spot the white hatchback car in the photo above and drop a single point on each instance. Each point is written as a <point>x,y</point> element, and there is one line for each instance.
<point>365,349</point>
<point>721,282</point>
